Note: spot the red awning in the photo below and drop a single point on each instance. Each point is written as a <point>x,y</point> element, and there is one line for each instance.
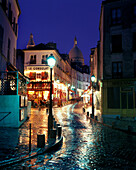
<point>71,90</point>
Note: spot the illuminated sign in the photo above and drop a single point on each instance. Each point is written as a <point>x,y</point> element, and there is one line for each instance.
<point>38,68</point>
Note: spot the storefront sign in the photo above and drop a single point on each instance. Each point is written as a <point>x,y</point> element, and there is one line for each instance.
<point>38,68</point>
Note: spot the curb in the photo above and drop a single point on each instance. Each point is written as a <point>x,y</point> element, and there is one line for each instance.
<point>110,126</point>
<point>51,147</point>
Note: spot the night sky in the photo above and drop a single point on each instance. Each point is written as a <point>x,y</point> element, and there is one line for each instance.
<point>59,21</point>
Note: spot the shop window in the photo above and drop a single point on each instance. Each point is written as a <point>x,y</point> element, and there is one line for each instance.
<point>117,70</point>
<point>113,97</point>
<point>32,75</point>
<point>38,75</point>
<point>116,16</point>
<point>44,75</point>
<point>127,100</point>
<point>116,43</point>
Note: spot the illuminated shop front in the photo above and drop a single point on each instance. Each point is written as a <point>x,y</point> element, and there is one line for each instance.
<point>60,93</point>
<point>39,87</point>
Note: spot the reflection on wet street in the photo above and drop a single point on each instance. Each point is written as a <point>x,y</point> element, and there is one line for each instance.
<point>86,145</point>
<point>15,142</point>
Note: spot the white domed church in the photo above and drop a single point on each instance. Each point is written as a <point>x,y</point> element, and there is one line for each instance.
<point>80,72</point>
<point>76,55</point>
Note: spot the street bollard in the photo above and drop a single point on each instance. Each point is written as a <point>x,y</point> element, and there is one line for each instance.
<point>40,141</point>
<point>58,124</point>
<point>96,118</point>
<point>83,109</point>
<point>54,124</point>
<point>53,133</point>
<point>59,129</point>
<point>47,111</point>
<point>91,116</point>
<point>30,138</point>
<point>88,114</point>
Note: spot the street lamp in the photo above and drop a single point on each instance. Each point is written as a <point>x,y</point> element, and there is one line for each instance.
<point>92,79</point>
<point>68,90</point>
<point>51,62</point>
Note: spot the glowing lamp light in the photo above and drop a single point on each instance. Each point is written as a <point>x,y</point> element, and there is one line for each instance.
<point>68,85</point>
<point>51,61</point>
<point>57,80</point>
<point>92,78</point>
<point>72,87</point>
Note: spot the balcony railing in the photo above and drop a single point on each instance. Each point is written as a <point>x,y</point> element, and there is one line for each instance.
<point>11,83</point>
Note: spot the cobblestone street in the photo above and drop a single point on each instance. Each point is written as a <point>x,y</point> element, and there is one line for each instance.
<point>86,145</point>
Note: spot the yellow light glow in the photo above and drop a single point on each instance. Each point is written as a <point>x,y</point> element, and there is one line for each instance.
<point>45,94</point>
<point>30,92</point>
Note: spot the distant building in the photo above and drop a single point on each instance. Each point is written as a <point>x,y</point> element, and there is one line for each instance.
<point>69,79</point>
<point>80,71</point>
<point>36,68</point>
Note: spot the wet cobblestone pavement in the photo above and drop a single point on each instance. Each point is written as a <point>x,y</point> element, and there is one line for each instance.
<point>15,142</point>
<point>86,145</point>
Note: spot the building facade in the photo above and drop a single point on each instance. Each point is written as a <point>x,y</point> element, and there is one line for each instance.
<point>117,59</point>
<point>13,92</point>
<point>67,82</point>
<point>9,13</point>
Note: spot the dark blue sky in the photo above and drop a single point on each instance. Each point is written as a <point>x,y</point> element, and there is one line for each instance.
<point>60,21</point>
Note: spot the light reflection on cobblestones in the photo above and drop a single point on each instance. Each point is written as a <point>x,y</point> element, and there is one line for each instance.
<point>87,146</point>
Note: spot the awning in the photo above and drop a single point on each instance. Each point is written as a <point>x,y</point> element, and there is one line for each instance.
<point>71,90</point>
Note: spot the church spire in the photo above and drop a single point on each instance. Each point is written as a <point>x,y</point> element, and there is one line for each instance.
<point>31,41</point>
<point>75,41</point>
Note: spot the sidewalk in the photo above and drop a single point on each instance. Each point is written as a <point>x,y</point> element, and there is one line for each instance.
<point>14,143</point>
<point>125,125</point>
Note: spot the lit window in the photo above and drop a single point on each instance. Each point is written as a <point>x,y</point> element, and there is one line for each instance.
<point>38,75</point>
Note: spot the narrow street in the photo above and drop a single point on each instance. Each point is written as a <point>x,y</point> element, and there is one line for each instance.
<point>86,145</point>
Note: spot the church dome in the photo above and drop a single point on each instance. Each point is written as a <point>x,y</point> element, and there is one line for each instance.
<point>75,54</point>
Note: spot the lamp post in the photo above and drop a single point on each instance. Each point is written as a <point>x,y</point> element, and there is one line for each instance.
<point>92,79</point>
<point>51,62</point>
<point>68,91</point>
